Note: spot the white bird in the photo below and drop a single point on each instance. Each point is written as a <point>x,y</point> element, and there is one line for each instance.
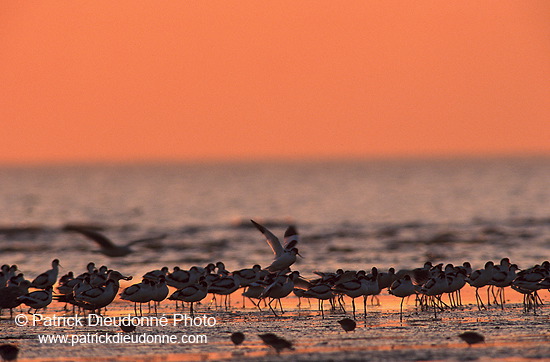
<point>280,288</point>
<point>248,276</point>
<point>107,247</point>
<point>284,261</point>
<point>101,296</point>
<point>224,286</point>
<point>402,288</point>
<point>285,255</point>
<point>191,294</point>
<point>48,278</point>
<point>480,278</point>
<point>353,288</point>
<point>161,292</point>
<point>180,278</point>
<point>139,293</point>
<point>154,275</point>
<point>321,292</point>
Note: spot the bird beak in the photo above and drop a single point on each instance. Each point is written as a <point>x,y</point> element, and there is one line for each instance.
<point>300,255</point>
<point>128,278</point>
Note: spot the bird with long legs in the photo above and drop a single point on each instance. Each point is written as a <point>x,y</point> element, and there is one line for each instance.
<point>353,289</point>
<point>39,299</point>
<point>402,288</point>
<point>480,278</point>
<point>191,294</point>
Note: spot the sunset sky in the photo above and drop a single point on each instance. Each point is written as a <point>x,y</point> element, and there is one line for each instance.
<point>193,80</point>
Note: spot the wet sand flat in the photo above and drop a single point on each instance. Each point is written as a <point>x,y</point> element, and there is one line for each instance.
<point>510,333</point>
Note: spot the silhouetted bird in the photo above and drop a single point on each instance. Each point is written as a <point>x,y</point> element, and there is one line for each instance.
<point>347,324</point>
<point>107,246</point>
<point>9,352</point>
<point>472,338</point>
<point>237,338</point>
<point>128,328</point>
<point>276,342</point>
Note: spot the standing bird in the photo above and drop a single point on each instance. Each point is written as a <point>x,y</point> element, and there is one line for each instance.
<point>139,293</point>
<point>48,278</point>
<point>191,294</point>
<point>402,288</point>
<point>480,278</point>
<point>284,256</point>
<point>38,299</point>
<point>107,246</point>
<point>9,296</point>
<point>100,297</point>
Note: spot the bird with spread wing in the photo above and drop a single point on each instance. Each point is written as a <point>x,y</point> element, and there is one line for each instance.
<point>285,255</point>
<point>107,246</point>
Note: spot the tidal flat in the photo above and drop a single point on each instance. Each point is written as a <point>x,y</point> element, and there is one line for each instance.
<point>510,334</point>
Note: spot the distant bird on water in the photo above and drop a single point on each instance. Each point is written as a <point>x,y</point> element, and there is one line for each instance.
<point>237,338</point>
<point>276,342</point>
<point>472,338</point>
<point>107,246</point>
<point>347,324</point>
<point>9,352</point>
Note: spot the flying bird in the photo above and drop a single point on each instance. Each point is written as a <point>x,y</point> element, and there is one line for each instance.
<point>285,255</point>
<point>107,247</point>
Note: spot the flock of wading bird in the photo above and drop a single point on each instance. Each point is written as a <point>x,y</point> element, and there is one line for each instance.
<point>96,288</point>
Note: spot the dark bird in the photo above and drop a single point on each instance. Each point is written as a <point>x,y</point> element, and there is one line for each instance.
<point>48,278</point>
<point>347,324</point>
<point>276,342</point>
<point>107,246</point>
<point>128,328</point>
<point>9,296</point>
<point>9,352</point>
<point>472,338</point>
<point>237,338</point>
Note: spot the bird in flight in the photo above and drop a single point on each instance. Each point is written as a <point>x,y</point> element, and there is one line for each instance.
<point>107,246</point>
<point>285,255</point>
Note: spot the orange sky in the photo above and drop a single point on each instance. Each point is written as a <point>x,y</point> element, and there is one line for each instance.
<point>146,80</point>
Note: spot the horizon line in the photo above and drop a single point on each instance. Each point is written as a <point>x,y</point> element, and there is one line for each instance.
<point>275,159</point>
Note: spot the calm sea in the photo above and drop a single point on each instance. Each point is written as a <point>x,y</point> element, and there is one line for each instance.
<point>351,214</point>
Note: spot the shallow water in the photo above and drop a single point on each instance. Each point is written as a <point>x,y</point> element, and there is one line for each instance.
<point>509,334</point>
<point>351,214</point>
